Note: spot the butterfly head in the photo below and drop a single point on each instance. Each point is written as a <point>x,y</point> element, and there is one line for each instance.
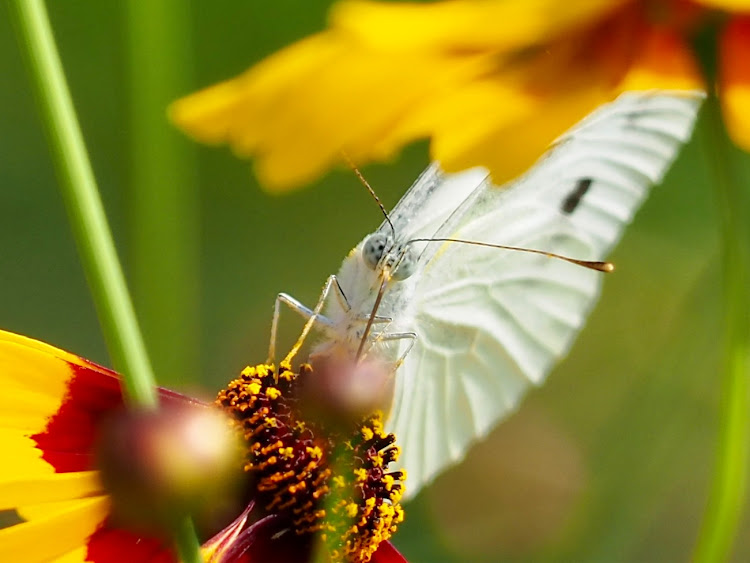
<point>380,252</point>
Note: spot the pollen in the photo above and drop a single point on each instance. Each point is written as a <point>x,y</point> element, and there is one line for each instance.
<point>330,482</point>
<point>361,475</point>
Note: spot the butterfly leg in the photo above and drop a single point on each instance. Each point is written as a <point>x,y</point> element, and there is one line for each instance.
<point>377,319</point>
<point>313,316</point>
<point>295,306</point>
<point>395,336</point>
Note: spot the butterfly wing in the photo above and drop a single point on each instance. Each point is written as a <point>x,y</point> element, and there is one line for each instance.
<point>428,203</point>
<point>491,322</point>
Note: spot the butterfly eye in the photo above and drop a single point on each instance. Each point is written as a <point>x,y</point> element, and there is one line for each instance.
<point>406,266</point>
<point>373,249</point>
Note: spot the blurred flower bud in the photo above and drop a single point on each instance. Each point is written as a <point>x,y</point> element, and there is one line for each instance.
<point>160,465</point>
<point>341,390</point>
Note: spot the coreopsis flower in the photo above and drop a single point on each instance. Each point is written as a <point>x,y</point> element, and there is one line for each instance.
<point>308,487</point>
<point>488,82</point>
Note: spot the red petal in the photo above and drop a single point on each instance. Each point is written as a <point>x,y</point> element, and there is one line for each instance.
<point>734,79</point>
<point>68,439</point>
<point>268,540</point>
<point>110,545</point>
<point>387,553</point>
<point>93,391</point>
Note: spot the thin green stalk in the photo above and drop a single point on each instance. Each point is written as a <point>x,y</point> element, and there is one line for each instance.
<point>186,541</point>
<point>84,205</point>
<point>728,488</point>
<point>89,222</point>
<point>164,225</point>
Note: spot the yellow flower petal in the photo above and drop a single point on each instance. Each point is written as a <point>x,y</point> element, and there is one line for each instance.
<point>298,117</point>
<point>734,80</point>
<point>665,62</point>
<point>509,146</point>
<point>54,536</point>
<point>9,337</point>
<point>77,555</point>
<point>355,90</point>
<point>27,366</point>
<point>51,403</point>
<point>35,378</point>
<point>211,115</point>
<point>46,509</point>
<point>21,457</point>
<point>728,5</point>
<point>467,74</point>
<point>298,110</point>
<point>467,24</point>
<point>24,409</point>
<point>51,488</point>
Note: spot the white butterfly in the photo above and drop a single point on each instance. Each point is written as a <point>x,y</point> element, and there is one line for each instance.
<point>477,326</point>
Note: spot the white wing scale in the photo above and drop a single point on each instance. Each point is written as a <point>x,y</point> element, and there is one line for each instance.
<point>430,200</point>
<point>490,322</point>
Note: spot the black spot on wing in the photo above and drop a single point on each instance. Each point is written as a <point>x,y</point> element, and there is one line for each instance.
<point>574,198</point>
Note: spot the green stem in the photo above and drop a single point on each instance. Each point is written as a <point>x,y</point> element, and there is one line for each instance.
<point>84,205</point>
<point>186,541</point>
<point>89,222</point>
<point>164,215</point>
<point>727,494</point>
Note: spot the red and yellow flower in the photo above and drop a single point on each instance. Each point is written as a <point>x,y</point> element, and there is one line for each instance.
<point>488,82</point>
<point>54,406</point>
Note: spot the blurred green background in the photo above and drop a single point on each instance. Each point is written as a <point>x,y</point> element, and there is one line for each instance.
<point>609,461</point>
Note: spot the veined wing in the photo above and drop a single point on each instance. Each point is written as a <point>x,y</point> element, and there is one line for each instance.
<point>429,202</point>
<point>492,322</point>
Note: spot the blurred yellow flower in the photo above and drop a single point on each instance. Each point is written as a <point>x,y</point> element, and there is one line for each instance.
<point>489,82</point>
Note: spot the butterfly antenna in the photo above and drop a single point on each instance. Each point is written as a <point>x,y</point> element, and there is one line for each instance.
<point>369,189</point>
<point>591,265</point>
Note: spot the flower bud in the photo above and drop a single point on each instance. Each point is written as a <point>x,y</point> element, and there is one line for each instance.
<point>341,390</point>
<point>160,465</point>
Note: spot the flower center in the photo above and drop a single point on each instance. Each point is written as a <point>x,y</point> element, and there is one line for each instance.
<point>333,482</point>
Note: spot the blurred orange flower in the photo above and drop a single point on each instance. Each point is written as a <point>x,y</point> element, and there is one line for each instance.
<point>489,82</point>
